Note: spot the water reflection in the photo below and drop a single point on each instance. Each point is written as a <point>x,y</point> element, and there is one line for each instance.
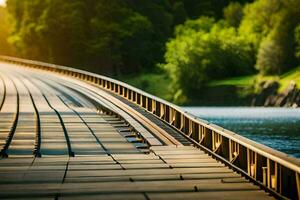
<point>278,128</point>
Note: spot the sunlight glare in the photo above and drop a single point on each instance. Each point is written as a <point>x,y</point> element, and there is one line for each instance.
<point>2,2</point>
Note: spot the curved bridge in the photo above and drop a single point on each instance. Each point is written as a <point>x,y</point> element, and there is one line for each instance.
<point>71,134</point>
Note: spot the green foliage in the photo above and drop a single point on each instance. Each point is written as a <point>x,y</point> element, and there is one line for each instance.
<point>49,30</point>
<point>112,36</point>
<point>211,8</point>
<point>259,19</point>
<point>179,13</point>
<point>5,28</point>
<point>116,36</point>
<point>263,32</point>
<point>297,40</point>
<point>157,84</point>
<point>288,77</point>
<point>240,81</point>
<point>152,42</point>
<point>233,14</point>
<point>203,50</point>
<point>60,28</point>
<point>194,7</point>
<point>269,25</point>
<point>269,58</point>
<point>115,27</point>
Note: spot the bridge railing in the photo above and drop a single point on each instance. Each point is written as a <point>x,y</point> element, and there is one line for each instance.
<point>275,171</point>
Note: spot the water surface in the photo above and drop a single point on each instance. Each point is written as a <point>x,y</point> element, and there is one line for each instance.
<point>278,128</point>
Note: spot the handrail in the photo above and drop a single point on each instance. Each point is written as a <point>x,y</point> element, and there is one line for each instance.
<point>275,170</point>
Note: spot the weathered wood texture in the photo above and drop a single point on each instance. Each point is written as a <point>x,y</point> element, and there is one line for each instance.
<point>56,143</point>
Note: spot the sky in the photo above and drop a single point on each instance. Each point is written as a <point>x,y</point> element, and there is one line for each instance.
<point>2,2</point>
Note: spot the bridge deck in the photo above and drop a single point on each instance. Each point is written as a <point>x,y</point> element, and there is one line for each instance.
<point>55,144</point>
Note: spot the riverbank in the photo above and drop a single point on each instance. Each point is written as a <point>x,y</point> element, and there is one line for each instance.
<point>274,127</point>
<point>157,84</point>
<point>253,90</point>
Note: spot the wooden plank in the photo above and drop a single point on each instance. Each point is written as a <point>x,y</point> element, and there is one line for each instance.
<point>197,165</point>
<point>172,148</point>
<point>140,161</point>
<point>184,171</point>
<point>16,161</point>
<point>180,156</point>
<point>146,166</point>
<point>216,175</point>
<point>124,178</point>
<point>203,159</point>
<point>121,196</point>
<point>94,167</point>
<point>222,195</point>
<point>129,187</point>
<point>179,152</point>
<point>97,158</point>
<point>103,173</point>
<point>7,169</point>
<point>120,157</point>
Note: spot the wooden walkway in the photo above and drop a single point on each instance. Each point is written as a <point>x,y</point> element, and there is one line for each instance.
<point>58,141</point>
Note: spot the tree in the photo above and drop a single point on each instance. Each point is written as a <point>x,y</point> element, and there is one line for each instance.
<point>211,8</point>
<point>5,47</point>
<point>118,33</point>
<point>233,14</point>
<point>269,25</point>
<point>297,40</point>
<point>269,58</point>
<point>61,28</point>
<point>203,50</point>
<point>111,36</point>
<point>116,36</point>
<point>179,13</point>
<point>24,37</point>
<point>259,19</point>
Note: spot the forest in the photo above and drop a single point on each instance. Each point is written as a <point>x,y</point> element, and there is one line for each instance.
<point>190,44</point>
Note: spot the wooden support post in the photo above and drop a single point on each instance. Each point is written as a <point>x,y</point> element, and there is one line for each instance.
<point>268,173</point>
<point>298,183</point>
<point>230,150</point>
<point>162,111</point>
<point>129,96</point>
<point>216,141</point>
<point>274,177</point>
<point>112,86</point>
<point>116,88</point>
<point>146,103</point>
<point>153,106</point>
<point>202,134</point>
<point>181,122</point>
<point>190,128</point>
<point>251,163</point>
<point>265,175</point>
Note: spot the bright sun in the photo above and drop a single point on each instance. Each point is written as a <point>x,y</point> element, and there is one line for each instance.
<point>2,2</point>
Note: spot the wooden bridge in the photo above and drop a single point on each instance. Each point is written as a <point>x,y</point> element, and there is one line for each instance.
<point>71,134</point>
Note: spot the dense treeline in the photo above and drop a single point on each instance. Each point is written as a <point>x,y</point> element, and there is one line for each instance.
<point>113,36</point>
<point>5,47</point>
<point>263,35</point>
<point>194,41</point>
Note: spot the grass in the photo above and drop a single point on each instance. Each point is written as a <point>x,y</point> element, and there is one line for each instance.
<point>243,81</point>
<point>236,81</point>
<point>293,75</point>
<point>159,85</point>
<point>153,83</point>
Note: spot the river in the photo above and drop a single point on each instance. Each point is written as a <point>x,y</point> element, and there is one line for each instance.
<point>278,128</point>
